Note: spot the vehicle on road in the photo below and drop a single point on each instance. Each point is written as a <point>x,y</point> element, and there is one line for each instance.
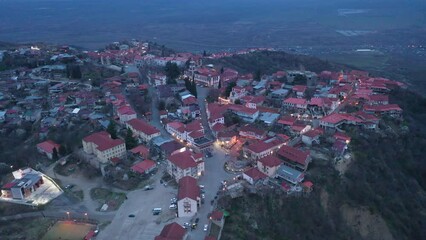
<point>173,200</point>
<point>156,211</point>
<point>69,186</point>
<point>131,215</point>
<point>203,196</point>
<point>194,225</point>
<point>202,186</point>
<point>148,187</point>
<point>206,226</point>
<point>173,206</point>
<point>186,225</point>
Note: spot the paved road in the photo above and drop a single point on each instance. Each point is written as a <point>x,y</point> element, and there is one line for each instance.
<point>202,93</point>
<point>214,174</point>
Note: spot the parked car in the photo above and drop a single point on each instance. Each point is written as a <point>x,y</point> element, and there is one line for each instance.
<point>203,196</point>
<point>69,186</point>
<point>156,211</point>
<point>186,225</point>
<point>173,206</point>
<point>194,225</point>
<point>206,226</point>
<point>131,215</point>
<point>148,187</point>
<point>173,200</point>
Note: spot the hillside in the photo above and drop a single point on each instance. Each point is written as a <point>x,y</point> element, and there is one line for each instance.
<point>380,196</point>
<point>268,62</point>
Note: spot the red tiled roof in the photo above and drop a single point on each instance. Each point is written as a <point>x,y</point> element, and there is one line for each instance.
<point>287,120</point>
<point>308,184</point>
<point>115,160</point>
<point>314,133</point>
<point>260,146</point>
<point>196,134</point>
<point>270,161</point>
<point>194,126</point>
<point>295,101</point>
<point>9,185</point>
<point>172,231</point>
<point>143,166</point>
<point>293,154</point>
<point>243,109</point>
<point>103,140</point>
<point>189,100</point>
<point>317,102</point>
<point>188,188</point>
<point>255,174</point>
<point>251,129</point>
<point>177,126</point>
<point>142,126</point>
<point>341,136</point>
<point>216,215</point>
<point>47,146</point>
<point>383,108</point>
<point>141,149</point>
<point>183,160</point>
<point>125,110</point>
<point>338,117</point>
<point>299,88</point>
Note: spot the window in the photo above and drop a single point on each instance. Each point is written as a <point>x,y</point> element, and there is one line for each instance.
<point>186,207</point>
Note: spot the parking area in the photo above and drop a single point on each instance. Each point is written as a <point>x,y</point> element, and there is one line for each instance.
<point>135,217</point>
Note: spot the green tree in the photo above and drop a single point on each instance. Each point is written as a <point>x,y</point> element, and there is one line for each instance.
<point>219,86</point>
<point>237,101</point>
<point>161,105</point>
<point>229,89</point>
<point>55,154</point>
<point>131,141</point>
<point>111,129</point>
<point>300,79</point>
<point>62,150</point>
<point>172,70</point>
<point>257,75</point>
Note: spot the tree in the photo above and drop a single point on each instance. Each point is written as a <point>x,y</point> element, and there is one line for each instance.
<point>172,70</point>
<point>221,70</point>
<point>229,89</point>
<point>237,101</point>
<point>204,53</point>
<point>131,142</point>
<point>55,154</point>
<point>194,89</point>
<point>161,105</point>
<point>111,129</point>
<point>219,86</point>
<point>300,79</point>
<point>257,75</point>
<point>62,150</point>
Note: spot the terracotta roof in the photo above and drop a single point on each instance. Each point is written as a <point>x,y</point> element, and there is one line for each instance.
<point>341,136</point>
<point>251,129</point>
<point>141,149</point>
<point>255,174</point>
<point>299,88</point>
<point>293,154</point>
<point>103,140</point>
<point>188,188</point>
<point>125,110</point>
<point>383,108</point>
<point>314,133</point>
<point>287,120</point>
<point>172,231</point>
<point>143,166</point>
<point>183,160</point>
<point>338,117</point>
<point>260,146</point>
<point>47,146</point>
<point>295,101</point>
<point>142,126</point>
<point>216,215</point>
<point>270,161</point>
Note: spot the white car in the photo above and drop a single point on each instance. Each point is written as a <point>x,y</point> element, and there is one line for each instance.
<point>172,206</point>
<point>206,226</point>
<point>173,200</point>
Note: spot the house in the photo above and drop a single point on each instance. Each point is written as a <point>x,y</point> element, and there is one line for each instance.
<point>307,186</point>
<point>290,174</point>
<point>207,77</point>
<point>259,149</point>
<point>125,113</point>
<point>140,150</point>
<point>185,163</point>
<point>295,103</point>
<point>143,130</point>
<point>249,131</point>
<point>269,165</point>
<point>246,114</point>
<point>339,147</point>
<point>237,93</point>
<point>176,129</point>
<point>104,147</point>
<point>392,110</point>
<point>218,218</point>
<point>253,175</point>
<point>26,181</point>
<point>299,90</point>
<point>172,231</point>
<point>294,157</point>
<point>312,136</point>
<point>188,198</point>
<point>144,167</point>
<point>47,147</point>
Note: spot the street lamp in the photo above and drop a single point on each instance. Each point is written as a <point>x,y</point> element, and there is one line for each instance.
<point>87,218</point>
<point>68,214</point>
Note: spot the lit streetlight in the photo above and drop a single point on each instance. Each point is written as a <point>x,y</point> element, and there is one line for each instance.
<point>68,214</point>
